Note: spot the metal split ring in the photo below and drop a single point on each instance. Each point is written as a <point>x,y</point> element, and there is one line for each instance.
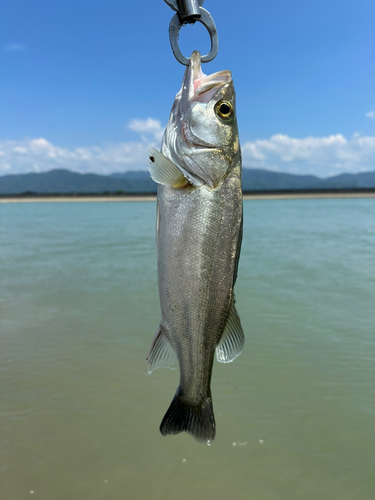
<point>174,30</point>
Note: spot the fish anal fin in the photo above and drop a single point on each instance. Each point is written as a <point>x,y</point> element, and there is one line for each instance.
<point>164,171</point>
<point>161,353</point>
<point>233,338</point>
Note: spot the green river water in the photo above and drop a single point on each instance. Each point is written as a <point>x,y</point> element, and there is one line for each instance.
<point>79,415</point>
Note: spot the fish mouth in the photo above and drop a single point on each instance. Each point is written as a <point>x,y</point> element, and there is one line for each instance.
<point>197,86</point>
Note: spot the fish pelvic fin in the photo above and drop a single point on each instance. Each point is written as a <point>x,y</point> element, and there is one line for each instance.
<point>233,338</point>
<point>161,353</point>
<point>164,171</point>
<point>183,415</point>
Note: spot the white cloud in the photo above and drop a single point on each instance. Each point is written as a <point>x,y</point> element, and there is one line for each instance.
<point>150,126</point>
<point>371,114</point>
<point>37,155</point>
<point>14,47</point>
<point>321,156</point>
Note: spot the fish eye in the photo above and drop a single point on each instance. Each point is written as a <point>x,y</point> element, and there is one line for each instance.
<point>224,110</point>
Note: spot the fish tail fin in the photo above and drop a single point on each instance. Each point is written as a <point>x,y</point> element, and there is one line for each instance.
<point>183,415</point>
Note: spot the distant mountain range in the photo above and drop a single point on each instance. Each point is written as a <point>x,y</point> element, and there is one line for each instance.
<point>67,182</point>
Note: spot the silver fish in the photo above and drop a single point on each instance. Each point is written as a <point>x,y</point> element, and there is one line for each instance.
<point>199,233</point>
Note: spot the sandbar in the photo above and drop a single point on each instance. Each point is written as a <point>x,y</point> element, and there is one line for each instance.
<point>127,198</point>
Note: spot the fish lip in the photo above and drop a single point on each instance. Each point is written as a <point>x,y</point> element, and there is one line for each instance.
<point>210,82</point>
<point>198,86</point>
<point>202,146</point>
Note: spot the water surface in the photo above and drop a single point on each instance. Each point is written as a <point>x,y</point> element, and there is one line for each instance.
<point>79,415</point>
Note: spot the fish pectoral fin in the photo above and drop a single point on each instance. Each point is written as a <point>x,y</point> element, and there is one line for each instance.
<point>164,171</point>
<point>233,338</point>
<point>161,353</point>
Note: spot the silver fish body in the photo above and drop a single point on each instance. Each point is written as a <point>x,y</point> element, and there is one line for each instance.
<point>199,232</point>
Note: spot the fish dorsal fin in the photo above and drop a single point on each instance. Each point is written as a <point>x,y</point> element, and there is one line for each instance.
<point>233,338</point>
<point>161,353</point>
<point>164,171</point>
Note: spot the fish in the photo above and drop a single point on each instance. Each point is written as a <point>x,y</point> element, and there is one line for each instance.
<point>198,240</point>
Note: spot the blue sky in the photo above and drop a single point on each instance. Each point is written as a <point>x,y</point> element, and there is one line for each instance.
<point>88,85</point>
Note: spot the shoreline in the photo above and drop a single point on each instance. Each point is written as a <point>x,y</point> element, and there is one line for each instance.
<point>261,195</point>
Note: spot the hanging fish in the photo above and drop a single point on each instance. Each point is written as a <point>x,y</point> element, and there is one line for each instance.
<point>199,233</point>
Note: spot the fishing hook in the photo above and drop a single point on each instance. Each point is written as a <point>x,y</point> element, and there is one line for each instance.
<point>189,12</point>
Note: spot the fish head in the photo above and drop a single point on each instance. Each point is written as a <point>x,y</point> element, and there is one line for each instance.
<point>201,137</point>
